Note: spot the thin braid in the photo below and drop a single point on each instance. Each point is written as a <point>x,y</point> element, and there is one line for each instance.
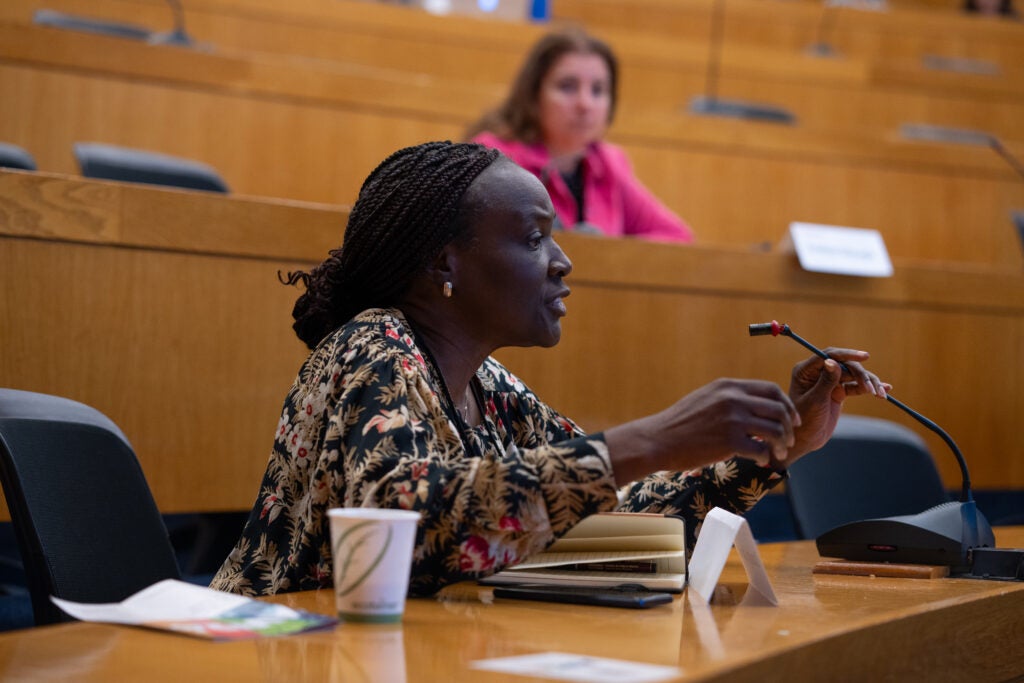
<point>407,211</point>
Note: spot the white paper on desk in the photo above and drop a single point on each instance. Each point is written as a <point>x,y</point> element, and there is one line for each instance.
<point>181,607</point>
<point>167,600</point>
<point>720,531</point>
<point>563,666</point>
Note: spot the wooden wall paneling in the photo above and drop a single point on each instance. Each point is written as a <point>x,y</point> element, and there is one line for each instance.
<point>691,19</point>
<point>898,33</point>
<point>321,37</point>
<point>656,77</point>
<point>895,35</point>
<point>922,215</point>
<point>175,348</point>
<point>687,326</point>
<point>232,19</point>
<point>493,63</point>
<point>322,154</point>
<point>266,75</point>
<point>114,295</point>
<point>261,147</point>
<point>163,310</point>
<point>822,106</point>
<point>279,130</point>
<point>429,51</point>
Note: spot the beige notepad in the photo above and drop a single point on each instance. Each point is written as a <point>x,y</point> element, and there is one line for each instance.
<point>610,549</point>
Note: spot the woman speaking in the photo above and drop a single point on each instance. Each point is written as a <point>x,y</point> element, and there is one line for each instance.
<point>448,256</point>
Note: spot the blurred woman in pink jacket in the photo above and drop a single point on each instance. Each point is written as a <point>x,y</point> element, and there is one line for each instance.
<point>552,124</point>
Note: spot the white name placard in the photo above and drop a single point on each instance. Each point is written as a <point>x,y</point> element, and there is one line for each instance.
<point>720,531</point>
<point>840,250</point>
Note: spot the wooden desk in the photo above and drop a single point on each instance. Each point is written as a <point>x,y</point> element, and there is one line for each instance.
<point>825,628</point>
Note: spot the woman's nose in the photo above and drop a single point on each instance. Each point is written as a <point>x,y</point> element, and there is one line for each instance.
<point>559,264</point>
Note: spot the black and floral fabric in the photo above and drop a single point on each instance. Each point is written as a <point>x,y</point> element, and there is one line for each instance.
<point>367,423</point>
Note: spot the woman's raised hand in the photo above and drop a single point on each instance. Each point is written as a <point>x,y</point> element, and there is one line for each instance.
<point>745,418</point>
<point>752,419</point>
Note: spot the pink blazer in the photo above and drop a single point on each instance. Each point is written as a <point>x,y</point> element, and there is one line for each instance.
<point>615,201</point>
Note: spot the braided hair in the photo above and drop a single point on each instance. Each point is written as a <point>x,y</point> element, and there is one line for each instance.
<point>408,209</point>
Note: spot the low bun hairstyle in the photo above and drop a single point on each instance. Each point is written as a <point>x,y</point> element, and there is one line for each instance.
<point>407,211</point>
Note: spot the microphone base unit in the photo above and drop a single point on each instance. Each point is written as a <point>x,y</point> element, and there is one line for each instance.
<point>946,534</point>
<point>927,132</point>
<point>715,106</point>
<point>176,37</point>
<point>822,50</point>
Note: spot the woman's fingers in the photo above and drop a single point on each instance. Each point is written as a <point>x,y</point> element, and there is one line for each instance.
<point>854,372</point>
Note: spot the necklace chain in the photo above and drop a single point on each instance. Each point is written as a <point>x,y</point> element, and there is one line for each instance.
<point>462,412</point>
<point>449,405</point>
<point>464,408</point>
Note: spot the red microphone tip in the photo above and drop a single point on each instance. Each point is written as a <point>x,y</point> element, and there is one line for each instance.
<point>776,328</point>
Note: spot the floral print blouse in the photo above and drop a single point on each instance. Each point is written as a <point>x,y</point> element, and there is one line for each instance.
<point>367,424</point>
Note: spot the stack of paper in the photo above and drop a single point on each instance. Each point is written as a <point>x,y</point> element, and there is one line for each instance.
<point>181,607</point>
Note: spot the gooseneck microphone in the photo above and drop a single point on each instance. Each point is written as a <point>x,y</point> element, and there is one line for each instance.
<point>178,35</point>
<point>999,148</point>
<point>775,329</point>
<point>710,104</point>
<point>944,534</point>
<point>821,47</point>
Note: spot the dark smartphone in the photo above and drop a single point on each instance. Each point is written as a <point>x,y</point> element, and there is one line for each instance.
<point>608,597</point>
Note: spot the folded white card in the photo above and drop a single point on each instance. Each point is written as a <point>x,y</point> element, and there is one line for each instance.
<point>720,531</point>
<point>841,250</point>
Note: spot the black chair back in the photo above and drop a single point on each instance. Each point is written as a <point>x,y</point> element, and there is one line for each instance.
<point>869,468</point>
<point>12,156</point>
<point>85,521</point>
<point>110,162</point>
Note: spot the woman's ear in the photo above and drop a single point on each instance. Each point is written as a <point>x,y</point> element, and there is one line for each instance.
<point>444,267</point>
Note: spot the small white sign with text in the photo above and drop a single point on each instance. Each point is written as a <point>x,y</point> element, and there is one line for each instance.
<point>840,250</point>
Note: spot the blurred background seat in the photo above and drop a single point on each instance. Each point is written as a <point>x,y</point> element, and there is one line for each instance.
<point>110,162</point>
<point>85,522</point>
<point>105,27</point>
<point>869,468</point>
<point>12,156</point>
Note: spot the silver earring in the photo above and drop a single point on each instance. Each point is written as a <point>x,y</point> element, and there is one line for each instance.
<point>446,290</point>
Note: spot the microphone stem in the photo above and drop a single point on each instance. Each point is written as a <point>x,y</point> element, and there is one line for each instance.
<point>715,55</point>
<point>965,491</point>
<point>1001,150</point>
<point>824,24</point>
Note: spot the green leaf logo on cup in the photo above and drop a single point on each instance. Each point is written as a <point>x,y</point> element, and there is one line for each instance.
<point>357,553</point>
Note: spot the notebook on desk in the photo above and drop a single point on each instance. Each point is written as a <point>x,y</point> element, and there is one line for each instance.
<point>607,550</point>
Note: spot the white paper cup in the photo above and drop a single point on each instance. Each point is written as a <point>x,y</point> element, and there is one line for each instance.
<point>372,550</point>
